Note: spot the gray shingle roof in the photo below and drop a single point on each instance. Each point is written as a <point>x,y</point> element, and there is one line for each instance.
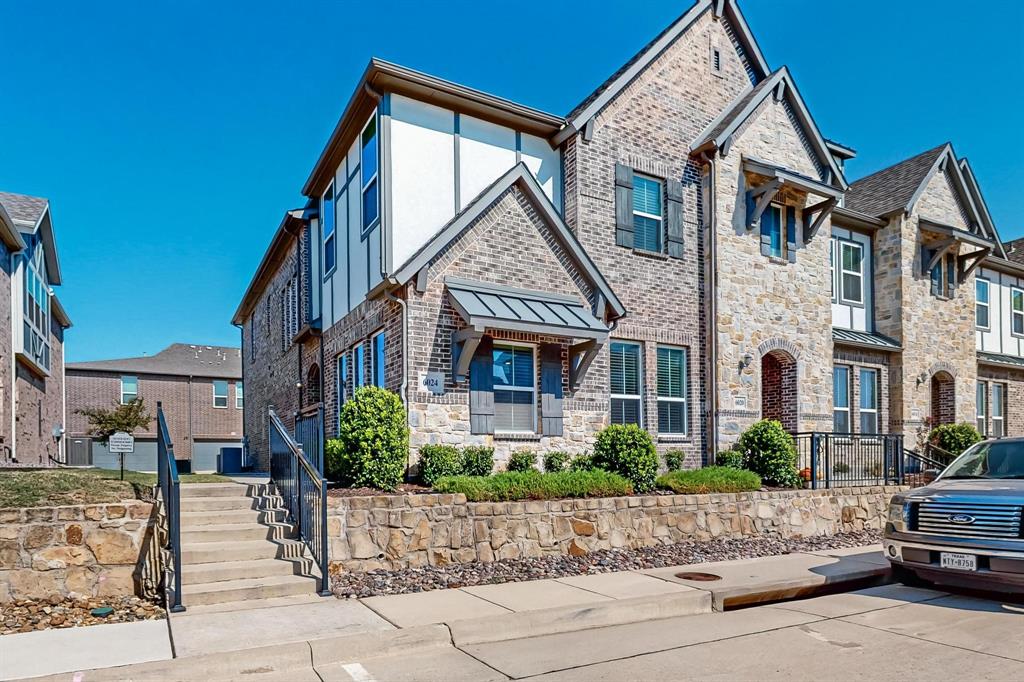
<point>857,338</point>
<point>22,207</point>
<point>178,359</point>
<point>892,188</point>
<point>1000,359</point>
<point>1015,250</point>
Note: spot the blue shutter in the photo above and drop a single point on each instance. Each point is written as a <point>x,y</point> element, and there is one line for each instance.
<point>481,388</point>
<point>551,389</point>
<point>791,234</point>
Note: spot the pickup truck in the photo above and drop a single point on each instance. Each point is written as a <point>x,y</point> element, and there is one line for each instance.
<point>965,527</point>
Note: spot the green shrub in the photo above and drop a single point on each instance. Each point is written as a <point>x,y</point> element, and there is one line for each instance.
<point>477,460</point>
<point>674,459</point>
<point>374,440</point>
<point>582,463</point>
<point>710,480</point>
<point>627,450</point>
<point>954,438</point>
<point>533,485</point>
<point>334,450</point>
<point>437,461</point>
<point>770,453</point>
<point>730,458</point>
<point>522,460</point>
<point>841,468</point>
<point>556,460</point>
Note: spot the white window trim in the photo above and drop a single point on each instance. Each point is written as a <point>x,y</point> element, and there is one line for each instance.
<point>1014,314</point>
<point>324,237</point>
<point>644,214</point>
<point>373,358</point>
<point>843,271</point>
<point>239,395</point>
<point>686,391</point>
<point>523,389</point>
<point>1001,403</point>
<point>215,396</point>
<point>849,396</point>
<point>987,305</point>
<point>123,394</point>
<point>833,257</point>
<point>867,410</point>
<point>981,409</point>
<point>639,397</point>
<point>365,182</point>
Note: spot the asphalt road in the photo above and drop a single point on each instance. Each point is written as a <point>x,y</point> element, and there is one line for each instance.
<point>883,633</point>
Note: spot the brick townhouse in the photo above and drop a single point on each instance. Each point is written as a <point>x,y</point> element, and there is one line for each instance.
<point>199,386</point>
<point>32,326</point>
<point>682,251</point>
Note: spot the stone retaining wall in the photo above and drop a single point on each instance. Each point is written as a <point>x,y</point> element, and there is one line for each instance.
<point>415,530</point>
<point>90,550</point>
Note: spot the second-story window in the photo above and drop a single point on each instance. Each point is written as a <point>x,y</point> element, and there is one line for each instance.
<point>943,276</point>
<point>1017,311</point>
<point>220,393</point>
<point>36,319</point>
<point>851,278</point>
<point>238,395</point>
<point>129,389</point>
<point>647,213</point>
<point>776,230</point>
<point>327,220</point>
<point>369,163</point>
<point>981,306</point>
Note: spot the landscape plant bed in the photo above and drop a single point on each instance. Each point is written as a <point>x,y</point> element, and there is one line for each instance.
<point>403,581</point>
<point>533,485</point>
<point>28,615</point>
<point>63,487</point>
<point>710,480</point>
<point>404,489</point>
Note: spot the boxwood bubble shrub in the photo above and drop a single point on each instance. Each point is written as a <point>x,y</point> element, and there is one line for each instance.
<point>674,460</point>
<point>477,460</point>
<point>374,439</point>
<point>437,461</point>
<point>522,460</point>
<point>556,460</point>
<point>628,450</point>
<point>770,453</point>
<point>954,438</point>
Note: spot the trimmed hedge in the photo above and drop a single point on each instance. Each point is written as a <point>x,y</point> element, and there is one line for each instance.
<point>556,460</point>
<point>770,453</point>
<point>710,480</point>
<point>522,460</point>
<point>477,460</point>
<point>582,463</point>
<point>730,458</point>
<point>627,450</point>
<point>954,438</point>
<point>533,485</point>
<point>373,447</point>
<point>437,461</point>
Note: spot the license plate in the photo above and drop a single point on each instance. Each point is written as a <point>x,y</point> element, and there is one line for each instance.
<point>960,562</point>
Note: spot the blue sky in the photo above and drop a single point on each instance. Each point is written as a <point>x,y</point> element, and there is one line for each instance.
<point>171,137</point>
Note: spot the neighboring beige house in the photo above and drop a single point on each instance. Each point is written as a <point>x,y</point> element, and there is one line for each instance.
<point>32,326</point>
<point>682,251</point>
<point>199,386</point>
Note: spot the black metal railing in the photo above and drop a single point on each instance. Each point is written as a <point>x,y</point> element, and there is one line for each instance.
<point>304,491</point>
<point>839,460</point>
<point>170,494</point>
<point>309,433</point>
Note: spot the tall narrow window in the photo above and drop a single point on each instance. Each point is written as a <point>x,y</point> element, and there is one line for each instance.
<point>515,389</point>
<point>852,272</point>
<point>832,268</point>
<point>841,399</point>
<point>1017,311</point>
<point>868,401</point>
<point>341,365</point>
<point>220,393</point>
<point>36,318</point>
<point>982,409</point>
<point>625,383</point>
<point>771,229</point>
<point>998,410</point>
<point>378,359</point>
<point>981,306</point>
<point>238,395</point>
<point>369,173</point>
<point>327,219</point>
<point>943,276</point>
<point>359,367</point>
<point>129,389</point>
<point>672,390</point>
<point>647,215</point>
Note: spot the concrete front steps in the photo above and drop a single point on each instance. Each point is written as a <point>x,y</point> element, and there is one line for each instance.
<point>236,546</point>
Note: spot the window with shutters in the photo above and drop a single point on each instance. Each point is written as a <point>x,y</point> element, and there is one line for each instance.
<point>942,275</point>
<point>515,389</point>
<point>626,383</point>
<point>1017,311</point>
<point>672,390</point>
<point>771,230</point>
<point>647,213</point>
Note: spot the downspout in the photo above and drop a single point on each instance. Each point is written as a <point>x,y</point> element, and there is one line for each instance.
<point>191,439</point>
<point>712,321</point>
<point>62,445</point>
<point>405,362</point>
<point>245,436</point>
<point>14,368</point>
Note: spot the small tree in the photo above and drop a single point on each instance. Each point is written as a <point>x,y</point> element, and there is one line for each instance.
<point>104,423</point>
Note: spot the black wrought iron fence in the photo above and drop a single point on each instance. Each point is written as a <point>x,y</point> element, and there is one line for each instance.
<point>309,433</point>
<point>170,496</point>
<point>837,460</point>
<point>304,491</point>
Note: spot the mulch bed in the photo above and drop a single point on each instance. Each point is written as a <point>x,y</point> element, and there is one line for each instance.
<point>404,489</point>
<point>28,615</point>
<point>403,581</point>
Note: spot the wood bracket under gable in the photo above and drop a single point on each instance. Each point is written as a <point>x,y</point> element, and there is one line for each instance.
<point>763,194</point>
<point>464,343</point>
<point>586,352</point>
<point>968,262</point>
<point>940,250</point>
<point>823,210</point>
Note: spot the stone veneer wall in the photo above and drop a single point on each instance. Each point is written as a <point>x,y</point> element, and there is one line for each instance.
<point>391,532</point>
<point>91,550</point>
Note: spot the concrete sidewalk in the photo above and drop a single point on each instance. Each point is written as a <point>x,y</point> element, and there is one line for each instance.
<point>283,637</point>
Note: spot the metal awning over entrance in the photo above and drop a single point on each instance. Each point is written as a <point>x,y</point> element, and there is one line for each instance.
<point>483,305</point>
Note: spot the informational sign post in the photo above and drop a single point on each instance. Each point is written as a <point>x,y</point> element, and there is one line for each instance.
<point>121,443</point>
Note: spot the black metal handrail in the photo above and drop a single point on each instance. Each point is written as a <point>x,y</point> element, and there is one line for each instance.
<point>304,492</point>
<point>170,493</point>
<point>833,460</point>
<point>309,433</point>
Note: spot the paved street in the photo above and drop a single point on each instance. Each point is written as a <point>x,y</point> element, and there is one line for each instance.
<point>879,633</point>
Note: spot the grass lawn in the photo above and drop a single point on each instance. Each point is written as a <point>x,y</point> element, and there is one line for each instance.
<point>56,487</point>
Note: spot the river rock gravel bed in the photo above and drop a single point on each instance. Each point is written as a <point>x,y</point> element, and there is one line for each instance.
<point>403,581</point>
<point>27,615</point>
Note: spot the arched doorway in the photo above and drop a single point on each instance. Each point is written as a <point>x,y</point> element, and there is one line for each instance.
<point>313,385</point>
<point>778,389</point>
<point>943,398</point>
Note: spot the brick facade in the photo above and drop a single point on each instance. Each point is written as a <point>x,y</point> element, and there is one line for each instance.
<point>40,407</point>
